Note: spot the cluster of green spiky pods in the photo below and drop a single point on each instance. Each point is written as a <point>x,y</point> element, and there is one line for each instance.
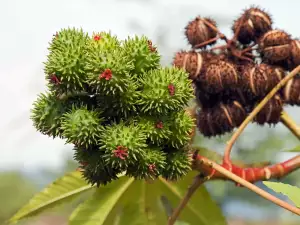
<point>122,111</point>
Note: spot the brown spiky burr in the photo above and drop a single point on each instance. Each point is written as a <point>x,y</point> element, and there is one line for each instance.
<point>192,62</point>
<point>219,75</point>
<point>204,99</point>
<point>271,112</point>
<point>295,52</point>
<point>291,92</point>
<point>254,22</point>
<point>275,45</point>
<point>259,79</point>
<point>201,30</point>
<point>220,119</point>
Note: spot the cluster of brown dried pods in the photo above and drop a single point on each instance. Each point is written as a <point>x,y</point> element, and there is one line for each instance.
<point>231,79</point>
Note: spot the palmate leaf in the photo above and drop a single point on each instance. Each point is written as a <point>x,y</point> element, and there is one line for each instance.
<point>292,192</point>
<point>97,208</point>
<point>60,191</point>
<point>201,209</point>
<point>139,202</point>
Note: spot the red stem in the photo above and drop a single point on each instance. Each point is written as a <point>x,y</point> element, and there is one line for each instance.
<point>251,174</point>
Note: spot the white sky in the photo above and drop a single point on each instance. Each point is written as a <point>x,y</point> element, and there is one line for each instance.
<point>28,25</point>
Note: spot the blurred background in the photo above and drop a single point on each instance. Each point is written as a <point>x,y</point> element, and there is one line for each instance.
<point>29,160</point>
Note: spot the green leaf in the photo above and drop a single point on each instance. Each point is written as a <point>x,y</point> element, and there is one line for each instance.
<point>292,192</point>
<point>60,191</point>
<point>201,209</point>
<point>96,209</point>
<point>296,149</point>
<point>141,204</point>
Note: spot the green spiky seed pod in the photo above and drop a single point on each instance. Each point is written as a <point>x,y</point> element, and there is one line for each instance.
<point>178,164</point>
<point>143,54</point>
<point>157,128</point>
<point>150,167</point>
<point>82,126</point>
<point>182,126</point>
<point>94,169</point>
<point>104,41</point>
<point>165,89</point>
<point>173,129</point>
<point>123,144</point>
<point>47,113</point>
<point>108,72</point>
<point>121,105</point>
<point>64,67</point>
<point>83,155</point>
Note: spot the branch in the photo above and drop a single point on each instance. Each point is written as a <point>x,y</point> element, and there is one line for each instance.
<point>255,112</point>
<point>290,124</point>
<point>244,176</point>
<point>198,181</point>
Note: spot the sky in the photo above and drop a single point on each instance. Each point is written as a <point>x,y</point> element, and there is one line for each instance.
<point>28,26</point>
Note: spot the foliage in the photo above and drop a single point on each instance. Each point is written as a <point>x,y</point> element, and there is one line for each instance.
<point>15,190</point>
<point>61,190</point>
<point>125,201</point>
<point>296,149</point>
<point>292,192</point>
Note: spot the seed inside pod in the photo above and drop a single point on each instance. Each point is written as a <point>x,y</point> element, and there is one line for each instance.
<point>253,23</point>
<point>220,119</point>
<point>218,76</point>
<point>192,62</point>
<point>295,52</point>
<point>200,30</point>
<point>291,91</point>
<point>271,112</point>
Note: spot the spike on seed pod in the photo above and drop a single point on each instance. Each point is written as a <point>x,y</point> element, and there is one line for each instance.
<point>275,45</point>
<point>218,76</point>
<point>220,119</point>
<point>271,112</point>
<point>192,62</point>
<point>291,91</point>
<point>200,30</point>
<point>295,52</point>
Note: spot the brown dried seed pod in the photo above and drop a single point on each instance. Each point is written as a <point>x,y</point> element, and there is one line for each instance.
<point>271,112</point>
<point>261,20</point>
<point>198,31</point>
<point>295,52</point>
<point>259,79</point>
<point>291,91</point>
<point>274,38</point>
<point>220,119</point>
<point>219,75</point>
<point>193,62</point>
<point>275,45</point>
<point>255,22</point>
<point>204,99</point>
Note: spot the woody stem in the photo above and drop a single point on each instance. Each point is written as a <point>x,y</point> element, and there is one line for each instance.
<point>198,181</point>
<point>257,109</point>
<point>290,124</point>
<point>229,175</point>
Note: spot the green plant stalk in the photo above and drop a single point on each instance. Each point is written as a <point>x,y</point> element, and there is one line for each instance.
<point>290,124</point>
